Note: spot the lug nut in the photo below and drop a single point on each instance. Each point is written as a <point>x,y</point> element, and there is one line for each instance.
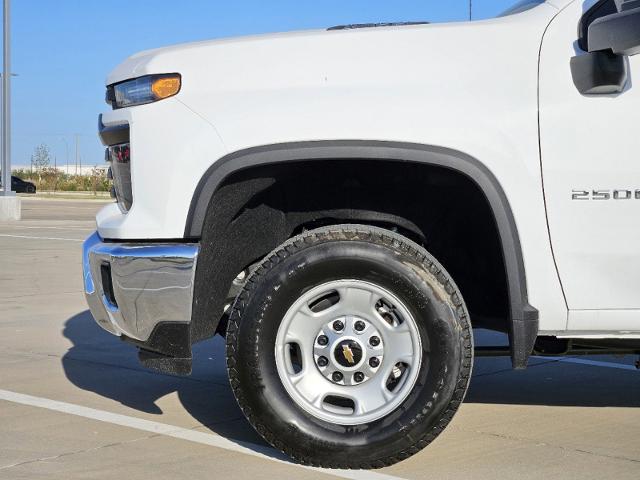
<point>360,326</point>
<point>358,377</point>
<point>323,361</point>
<point>323,340</point>
<point>374,362</point>
<point>338,326</point>
<point>337,377</point>
<point>374,341</point>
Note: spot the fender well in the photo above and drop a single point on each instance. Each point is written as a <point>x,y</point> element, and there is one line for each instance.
<point>523,318</point>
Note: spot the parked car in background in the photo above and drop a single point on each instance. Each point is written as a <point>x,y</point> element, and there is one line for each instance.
<point>21,186</point>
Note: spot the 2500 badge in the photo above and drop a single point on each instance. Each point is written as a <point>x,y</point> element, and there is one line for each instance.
<point>605,194</point>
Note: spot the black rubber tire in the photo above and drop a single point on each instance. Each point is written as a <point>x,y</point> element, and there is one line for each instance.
<point>350,252</point>
<point>31,189</point>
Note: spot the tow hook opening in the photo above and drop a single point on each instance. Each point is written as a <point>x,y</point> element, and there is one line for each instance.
<point>107,283</point>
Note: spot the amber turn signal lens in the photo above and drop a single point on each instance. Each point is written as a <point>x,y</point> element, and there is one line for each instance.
<point>166,86</point>
<point>143,90</point>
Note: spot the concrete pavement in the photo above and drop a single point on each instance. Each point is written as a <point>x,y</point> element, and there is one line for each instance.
<point>99,414</point>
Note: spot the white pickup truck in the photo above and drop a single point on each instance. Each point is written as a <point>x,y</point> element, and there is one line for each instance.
<point>344,205</point>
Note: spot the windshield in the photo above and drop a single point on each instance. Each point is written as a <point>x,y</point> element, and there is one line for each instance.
<point>521,6</point>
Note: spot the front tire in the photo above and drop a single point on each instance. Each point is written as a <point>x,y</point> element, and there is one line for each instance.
<point>349,347</point>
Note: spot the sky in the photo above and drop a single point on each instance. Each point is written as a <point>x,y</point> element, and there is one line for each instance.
<point>62,50</point>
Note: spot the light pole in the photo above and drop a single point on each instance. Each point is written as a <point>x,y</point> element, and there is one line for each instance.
<point>77,154</point>
<point>6,103</point>
<point>9,202</point>
<point>66,144</point>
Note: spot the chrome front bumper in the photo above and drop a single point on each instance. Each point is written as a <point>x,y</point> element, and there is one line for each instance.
<point>133,287</point>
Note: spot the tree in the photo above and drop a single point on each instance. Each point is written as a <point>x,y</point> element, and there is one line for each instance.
<point>41,157</point>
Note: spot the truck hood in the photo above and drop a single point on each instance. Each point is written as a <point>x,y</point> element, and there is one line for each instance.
<point>302,47</point>
<point>164,59</point>
<point>349,60</point>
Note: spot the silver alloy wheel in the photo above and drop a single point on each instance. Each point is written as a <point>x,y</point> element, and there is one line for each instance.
<point>348,352</point>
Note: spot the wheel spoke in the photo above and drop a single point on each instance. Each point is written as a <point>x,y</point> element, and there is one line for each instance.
<point>304,327</point>
<point>311,385</point>
<point>399,345</point>
<point>371,396</point>
<point>356,301</point>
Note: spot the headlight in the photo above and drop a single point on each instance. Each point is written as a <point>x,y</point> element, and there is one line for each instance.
<point>141,90</point>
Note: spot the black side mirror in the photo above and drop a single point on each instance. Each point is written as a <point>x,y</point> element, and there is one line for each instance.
<point>611,38</point>
<point>619,33</point>
<point>599,73</point>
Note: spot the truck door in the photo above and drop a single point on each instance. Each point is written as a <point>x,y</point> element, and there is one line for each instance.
<point>590,154</point>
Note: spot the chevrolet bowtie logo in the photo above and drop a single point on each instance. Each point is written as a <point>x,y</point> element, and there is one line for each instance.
<point>348,354</point>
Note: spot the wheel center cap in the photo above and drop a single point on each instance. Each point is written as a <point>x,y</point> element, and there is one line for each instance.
<point>348,353</point>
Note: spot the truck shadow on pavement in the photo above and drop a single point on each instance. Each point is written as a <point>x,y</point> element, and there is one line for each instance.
<point>554,383</point>
<point>101,363</point>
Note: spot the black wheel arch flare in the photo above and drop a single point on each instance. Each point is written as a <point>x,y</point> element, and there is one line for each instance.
<point>523,317</point>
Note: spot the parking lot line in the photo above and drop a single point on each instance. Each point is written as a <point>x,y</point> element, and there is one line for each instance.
<point>40,238</point>
<point>594,363</point>
<point>261,451</point>
<point>23,227</point>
